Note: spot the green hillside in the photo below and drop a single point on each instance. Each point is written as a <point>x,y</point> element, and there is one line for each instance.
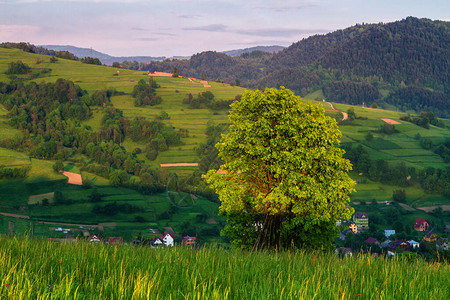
<point>173,196</point>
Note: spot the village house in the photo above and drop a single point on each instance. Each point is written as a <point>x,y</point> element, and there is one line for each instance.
<point>389,232</point>
<point>94,238</point>
<point>167,239</point>
<point>421,225</point>
<point>442,244</point>
<point>353,228</point>
<point>156,242</point>
<point>430,237</point>
<point>361,220</point>
<point>115,240</point>
<point>414,244</point>
<point>385,243</point>
<point>396,245</point>
<point>372,241</point>
<point>344,251</point>
<point>189,240</point>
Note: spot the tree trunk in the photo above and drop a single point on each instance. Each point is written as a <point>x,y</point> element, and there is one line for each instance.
<point>269,235</point>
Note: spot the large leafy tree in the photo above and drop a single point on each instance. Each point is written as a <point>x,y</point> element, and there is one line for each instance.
<point>284,182</point>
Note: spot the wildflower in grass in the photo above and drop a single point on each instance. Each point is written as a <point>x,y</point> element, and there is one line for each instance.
<point>7,285</point>
<point>50,287</point>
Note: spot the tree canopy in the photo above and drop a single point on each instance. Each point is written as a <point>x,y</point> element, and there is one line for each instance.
<point>284,181</point>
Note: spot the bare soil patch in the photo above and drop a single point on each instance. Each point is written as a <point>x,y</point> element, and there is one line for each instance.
<point>74,178</point>
<point>14,215</point>
<point>179,165</point>
<point>161,74</point>
<point>36,199</point>
<point>391,122</point>
<point>431,208</point>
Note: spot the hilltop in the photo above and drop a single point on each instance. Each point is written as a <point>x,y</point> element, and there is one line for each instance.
<point>383,63</point>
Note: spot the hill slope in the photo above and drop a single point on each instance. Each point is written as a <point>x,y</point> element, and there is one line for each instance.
<point>106,143</point>
<point>364,63</point>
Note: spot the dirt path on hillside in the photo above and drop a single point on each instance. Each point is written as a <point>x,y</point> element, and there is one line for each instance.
<point>14,215</point>
<point>405,206</point>
<point>344,114</point>
<point>433,207</point>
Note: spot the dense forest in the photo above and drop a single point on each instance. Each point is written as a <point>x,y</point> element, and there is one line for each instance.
<point>380,63</point>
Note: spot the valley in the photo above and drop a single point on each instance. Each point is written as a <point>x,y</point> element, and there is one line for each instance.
<point>178,199</point>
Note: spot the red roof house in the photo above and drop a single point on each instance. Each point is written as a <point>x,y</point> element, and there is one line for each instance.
<point>421,225</point>
<point>372,240</point>
<point>188,240</point>
<point>115,240</point>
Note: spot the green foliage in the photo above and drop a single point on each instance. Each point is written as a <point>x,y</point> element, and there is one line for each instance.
<point>91,61</point>
<point>18,172</point>
<point>399,196</point>
<point>58,166</point>
<point>145,93</point>
<point>280,162</point>
<point>424,120</point>
<point>18,67</point>
<point>350,92</point>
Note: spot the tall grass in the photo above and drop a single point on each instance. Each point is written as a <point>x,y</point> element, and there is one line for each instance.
<point>40,269</point>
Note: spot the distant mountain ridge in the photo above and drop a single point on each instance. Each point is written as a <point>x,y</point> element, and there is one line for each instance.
<point>106,59</point>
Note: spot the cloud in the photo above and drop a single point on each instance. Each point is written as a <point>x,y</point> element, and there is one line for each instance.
<point>212,28</point>
<point>283,8</point>
<point>138,29</point>
<point>165,33</point>
<point>189,16</point>
<point>152,39</point>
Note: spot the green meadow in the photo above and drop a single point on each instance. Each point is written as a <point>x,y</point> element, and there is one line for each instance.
<point>41,269</point>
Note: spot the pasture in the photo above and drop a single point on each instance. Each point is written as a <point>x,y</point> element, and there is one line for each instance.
<point>85,271</point>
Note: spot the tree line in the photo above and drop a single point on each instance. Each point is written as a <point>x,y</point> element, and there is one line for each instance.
<point>49,115</point>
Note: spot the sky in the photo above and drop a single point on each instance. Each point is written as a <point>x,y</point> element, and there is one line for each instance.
<point>186,27</point>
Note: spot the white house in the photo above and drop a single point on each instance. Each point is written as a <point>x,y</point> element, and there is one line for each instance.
<point>413,244</point>
<point>389,232</point>
<point>167,239</point>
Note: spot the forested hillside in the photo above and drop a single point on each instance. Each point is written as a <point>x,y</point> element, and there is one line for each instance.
<point>364,63</point>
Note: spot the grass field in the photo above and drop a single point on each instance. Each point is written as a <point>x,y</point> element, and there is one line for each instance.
<point>38,269</point>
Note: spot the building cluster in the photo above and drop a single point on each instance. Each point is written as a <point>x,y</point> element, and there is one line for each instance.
<point>360,221</point>
<point>165,240</point>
